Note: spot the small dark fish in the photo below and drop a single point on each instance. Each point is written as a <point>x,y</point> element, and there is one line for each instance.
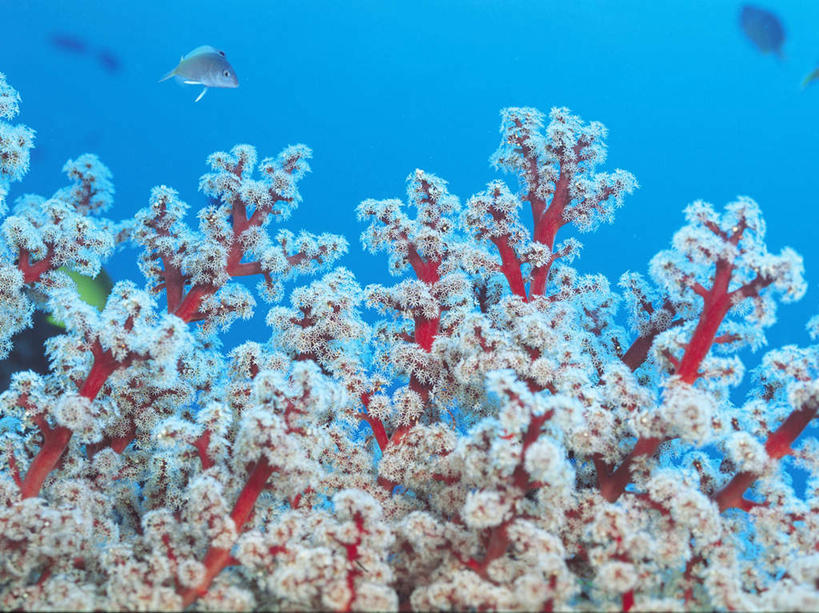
<point>763,28</point>
<point>108,60</point>
<point>205,66</point>
<point>68,42</point>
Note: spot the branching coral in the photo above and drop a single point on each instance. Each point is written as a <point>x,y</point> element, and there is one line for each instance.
<point>498,439</point>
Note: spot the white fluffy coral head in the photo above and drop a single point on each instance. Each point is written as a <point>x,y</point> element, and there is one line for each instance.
<point>16,141</point>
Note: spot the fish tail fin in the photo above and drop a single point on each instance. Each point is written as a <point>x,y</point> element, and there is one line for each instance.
<point>811,77</point>
<point>172,73</point>
<point>199,97</point>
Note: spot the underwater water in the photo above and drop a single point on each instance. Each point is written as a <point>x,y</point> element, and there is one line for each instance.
<point>702,99</point>
<point>694,109</point>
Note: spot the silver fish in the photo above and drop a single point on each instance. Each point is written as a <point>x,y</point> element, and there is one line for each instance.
<point>206,66</point>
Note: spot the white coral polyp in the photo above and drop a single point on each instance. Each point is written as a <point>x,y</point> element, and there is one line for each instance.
<point>485,509</point>
<point>75,413</point>
<point>545,461</point>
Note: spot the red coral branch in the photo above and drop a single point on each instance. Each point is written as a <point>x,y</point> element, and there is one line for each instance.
<point>547,226</point>
<point>510,266</point>
<point>498,540</point>
<point>188,309</point>
<point>55,440</point>
<point>778,445</point>
<point>174,284</point>
<point>717,301</point>
<point>33,272</point>
<point>117,443</point>
<point>628,601</point>
<point>201,443</point>
<point>779,442</point>
<point>613,485</point>
<point>376,424</point>
<point>217,558</point>
<point>353,556</point>
<point>520,476</point>
<point>637,353</point>
<point>15,470</point>
<point>425,331</point>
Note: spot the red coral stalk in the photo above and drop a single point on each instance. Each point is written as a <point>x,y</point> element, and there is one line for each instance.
<point>717,301</point>
<point>33,272</point>
<point>55,440</point>
<point>218,558</point>
<point>201,443</point>
<point>778,445</point>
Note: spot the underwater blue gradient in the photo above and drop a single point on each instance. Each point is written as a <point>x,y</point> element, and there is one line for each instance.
<point>380,88</point>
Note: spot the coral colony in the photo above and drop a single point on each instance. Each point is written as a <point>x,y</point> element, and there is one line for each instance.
<point>497,440</point>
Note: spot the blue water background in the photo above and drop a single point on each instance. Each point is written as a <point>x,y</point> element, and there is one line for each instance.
<point>380,88</point>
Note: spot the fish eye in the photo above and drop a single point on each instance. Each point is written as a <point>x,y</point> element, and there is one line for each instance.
<point>222,53</point>
<point>226,73</point>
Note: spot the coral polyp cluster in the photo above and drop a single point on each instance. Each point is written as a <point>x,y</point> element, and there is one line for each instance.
<point>502,431</point>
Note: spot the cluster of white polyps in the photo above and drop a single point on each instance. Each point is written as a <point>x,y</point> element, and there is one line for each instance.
<point>500,438</point>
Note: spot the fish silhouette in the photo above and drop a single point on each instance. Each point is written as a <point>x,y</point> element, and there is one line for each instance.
<point>206,66</point>
<point>763,28</point>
